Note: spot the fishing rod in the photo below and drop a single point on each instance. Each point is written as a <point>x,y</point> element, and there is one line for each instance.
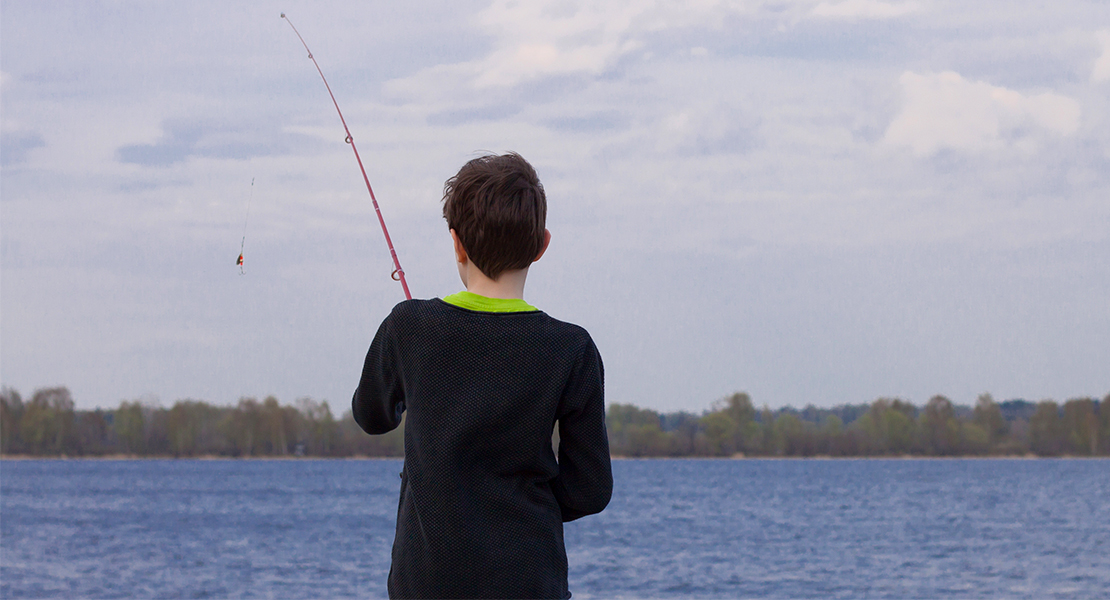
<point>398,273</point>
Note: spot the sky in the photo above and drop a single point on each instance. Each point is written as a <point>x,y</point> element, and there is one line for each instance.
<point>812,201</point>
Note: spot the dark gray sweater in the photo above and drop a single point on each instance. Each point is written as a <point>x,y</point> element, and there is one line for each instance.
<point>483,499</point>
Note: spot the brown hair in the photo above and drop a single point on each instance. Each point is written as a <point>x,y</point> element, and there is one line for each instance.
<point>497,207</point>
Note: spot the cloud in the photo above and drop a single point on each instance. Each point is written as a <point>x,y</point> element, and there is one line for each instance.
<point>605,120</point>
<point>1101,71</point>
<point>708,129</point>
<point>184,139</point>
<point>178,143</point>
<point>945,111</point>
<point>553,38</point>
<point>538,39</point>
<point>16,139</point>
<point>863,9</point>
<point>476,114</point>
<point>15,145</point>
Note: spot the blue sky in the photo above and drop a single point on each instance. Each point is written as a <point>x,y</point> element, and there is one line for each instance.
<point>812,201</point>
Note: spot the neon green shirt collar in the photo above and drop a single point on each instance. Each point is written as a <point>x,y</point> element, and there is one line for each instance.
<point>472,301</point>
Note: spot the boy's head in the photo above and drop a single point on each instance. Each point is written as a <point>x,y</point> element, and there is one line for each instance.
<point>497,208</point>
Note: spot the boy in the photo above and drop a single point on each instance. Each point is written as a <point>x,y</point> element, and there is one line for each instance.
<point>484,377</point>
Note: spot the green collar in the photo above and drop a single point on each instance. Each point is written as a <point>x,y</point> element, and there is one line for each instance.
<point>472,301</point>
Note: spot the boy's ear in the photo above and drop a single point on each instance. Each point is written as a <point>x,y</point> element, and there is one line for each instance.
<point>546,243</point>
<point>460,252</point>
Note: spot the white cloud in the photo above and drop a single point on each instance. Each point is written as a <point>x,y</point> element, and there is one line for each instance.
<point>707,128</point>
<point>549,38</point>
<point>1101,71</point>
<point>946,111</point>
<point>544,38</point>
<point>863,9</point>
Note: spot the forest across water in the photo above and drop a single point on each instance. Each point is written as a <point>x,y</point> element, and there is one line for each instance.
<point>48,424</point>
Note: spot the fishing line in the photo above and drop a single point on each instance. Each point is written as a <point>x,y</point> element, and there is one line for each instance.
<point>245,220</point>
<point>398,273</point>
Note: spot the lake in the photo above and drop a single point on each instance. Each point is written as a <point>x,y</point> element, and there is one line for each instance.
<point>974,528</point>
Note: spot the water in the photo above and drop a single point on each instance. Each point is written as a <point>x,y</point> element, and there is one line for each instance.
<point>675,529</point>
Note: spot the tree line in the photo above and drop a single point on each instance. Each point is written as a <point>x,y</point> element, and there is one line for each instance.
<point>886,427</point>
<point>48,424</point>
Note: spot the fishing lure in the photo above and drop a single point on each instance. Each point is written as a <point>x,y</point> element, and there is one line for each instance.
<point>398,273</point>
<point>239,261</point>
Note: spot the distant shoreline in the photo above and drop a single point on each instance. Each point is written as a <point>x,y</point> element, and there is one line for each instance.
<point>902,457</point>
<point>120,457</point>
<point>123,457</point>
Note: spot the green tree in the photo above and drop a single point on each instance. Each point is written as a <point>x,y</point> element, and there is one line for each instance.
<point>746,434</point>
<point>11,413</point>
<point>128,426</point>
<point>832,432</point>
<point>1104,429</point>
<point>92,433</point>
<point>274,425</point>
<point>635,431</point>
<point>682,430</point>
<point>790,436</point>
<point>764,442</point>
<point>739,408</point>
<point>156,436</point>
<point>649,440</point>
<point>47,423</point>
<point>901,427</point>
<point>1080,426</point>
<point>988,417</point>
<point>939,427</point>
<point>720,433</point>
<point>245,428</point>
<point>1045,430</point>
<point>196,428</point>
<point>327,431</point>
<point>974,439</point>
<point>183,429</point>
<point>310,412</point>
<point>887,427</point>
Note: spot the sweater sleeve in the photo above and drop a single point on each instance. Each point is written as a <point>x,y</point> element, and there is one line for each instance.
<point>585,481</point>
<point>379,400</point>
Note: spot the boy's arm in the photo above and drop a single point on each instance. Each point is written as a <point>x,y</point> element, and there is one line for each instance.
<point>379,399</point>
<point>585,481</point>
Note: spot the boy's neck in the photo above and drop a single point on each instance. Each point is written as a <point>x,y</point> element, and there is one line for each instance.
<point>510,284</point>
